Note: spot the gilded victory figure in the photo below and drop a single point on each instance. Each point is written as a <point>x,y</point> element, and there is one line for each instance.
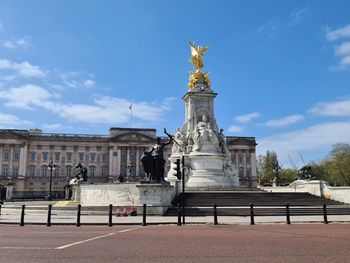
<point>197,61</point>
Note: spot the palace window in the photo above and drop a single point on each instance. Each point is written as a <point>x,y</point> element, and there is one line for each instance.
<point>57,172</point>
<point>69,156</point>
<point>57,156</point>
<point>104,172</point>
<point>44,171</point>
<point>68,171</point>
<point>45,156</point>
<point>92,172</point>
<point>32,156</point>
<point>6,156</point>
<point>15,171</point>
<point>81,157</point>
<point>92,157</point>
<point>32,171</point>
<point>5,171</point>
<point>104,157</point>
<point>16,155</point>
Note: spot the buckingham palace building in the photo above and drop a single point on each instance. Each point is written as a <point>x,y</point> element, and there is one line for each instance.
<point>25,156</point>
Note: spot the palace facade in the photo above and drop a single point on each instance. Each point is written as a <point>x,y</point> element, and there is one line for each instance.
<point>25,157</point>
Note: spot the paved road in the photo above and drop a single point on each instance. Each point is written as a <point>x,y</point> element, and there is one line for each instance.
<point>197,243</point>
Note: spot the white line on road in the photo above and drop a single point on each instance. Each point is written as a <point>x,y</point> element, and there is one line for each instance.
<point>84,241</point>
<point>26,248</point>
<point>98,237</point>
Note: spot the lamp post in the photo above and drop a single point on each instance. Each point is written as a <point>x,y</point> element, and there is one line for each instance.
<point>51,167</point>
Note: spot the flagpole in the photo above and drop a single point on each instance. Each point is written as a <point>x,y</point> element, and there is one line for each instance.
<point>130,107</point>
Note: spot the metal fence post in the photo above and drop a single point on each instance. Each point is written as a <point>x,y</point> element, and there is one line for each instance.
<point>110,223</point>
<point>179,215</point>
<point>22,215</point>
<point>0,209</point>
<point>49,215</point>
<point>144,212</point>
<point>78,215</point>
<point>325,219</point>
<point>215,215</point>
<point>252,214</point>
<point>287,214</point>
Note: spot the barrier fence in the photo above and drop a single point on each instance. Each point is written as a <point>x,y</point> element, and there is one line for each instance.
<point>109,215</point>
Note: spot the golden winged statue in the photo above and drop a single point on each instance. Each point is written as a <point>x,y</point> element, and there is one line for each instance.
<point>197,54</point>
<point>197,61</point>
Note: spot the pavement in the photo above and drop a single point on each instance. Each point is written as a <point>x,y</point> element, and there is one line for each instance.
<point>36,213</point>
<point>294,243</point>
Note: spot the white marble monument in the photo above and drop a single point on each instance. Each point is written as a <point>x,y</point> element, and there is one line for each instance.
<point>207,159</point>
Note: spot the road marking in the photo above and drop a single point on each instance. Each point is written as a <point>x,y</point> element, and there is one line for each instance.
<point>84,241</point>
<point>26,248</point>
<point>98,237</point>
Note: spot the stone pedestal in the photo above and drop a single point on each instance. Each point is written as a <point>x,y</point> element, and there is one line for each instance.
<point>157,196</point>
<point>208,173</point>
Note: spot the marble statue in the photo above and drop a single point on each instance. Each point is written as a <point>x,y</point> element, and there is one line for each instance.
<point>204,135</point>
<point>180,144</point>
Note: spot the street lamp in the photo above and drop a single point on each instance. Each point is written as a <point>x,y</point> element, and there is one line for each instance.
<point>51,167</point>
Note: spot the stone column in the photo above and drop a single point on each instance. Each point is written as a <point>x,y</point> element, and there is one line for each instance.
<point>128,161</point>
<point>119,163</point>
<point>23,160</point>
<point>137,166</point>
<point>111,163</point>
<point>253,163</point>
<point>10,171</point>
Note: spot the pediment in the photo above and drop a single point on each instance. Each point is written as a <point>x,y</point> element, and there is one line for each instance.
<point>240,141</point>
<point>133,137</point>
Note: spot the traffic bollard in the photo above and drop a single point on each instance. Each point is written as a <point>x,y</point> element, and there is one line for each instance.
<point>78,215</point>
<point>287,214</point>
<point>325,219</point>
<point>144,211</point>
<point>22,215</point>
<point>252,214</point>
<point>110,223</point>
<point>179,215</point>
<point>215,215</point>
<point>49,215</point>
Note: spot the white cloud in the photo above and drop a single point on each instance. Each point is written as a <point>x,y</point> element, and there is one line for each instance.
<point>268,27</point>
<point>26,97</point>
<point>9,44</point>
<point>284,121</point>
<point>343,49</point>
<point>247,117</point>
<point>343,32</point>
<point>52,126</point>
<point>25,69</point>
<point>316,137</point>
<point>89,83</point>
<point>12,121</point>
<point>19,43</point>
<point>298,15</point>
<point>234,128</point>
<point>332,108</point>
<point>106,110</point>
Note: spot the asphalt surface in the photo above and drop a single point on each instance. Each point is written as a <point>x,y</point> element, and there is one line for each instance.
<point>191,243</point>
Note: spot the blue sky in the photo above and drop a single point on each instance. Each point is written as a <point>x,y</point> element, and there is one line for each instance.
<point>281,68</point>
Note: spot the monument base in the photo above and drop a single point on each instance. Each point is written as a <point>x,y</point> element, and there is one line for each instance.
<point>210,172</point>
<point>157,196</point>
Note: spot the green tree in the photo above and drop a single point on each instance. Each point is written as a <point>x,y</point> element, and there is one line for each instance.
<point>287,175</point>
<point>337,165</point>
<point>270,166</point>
